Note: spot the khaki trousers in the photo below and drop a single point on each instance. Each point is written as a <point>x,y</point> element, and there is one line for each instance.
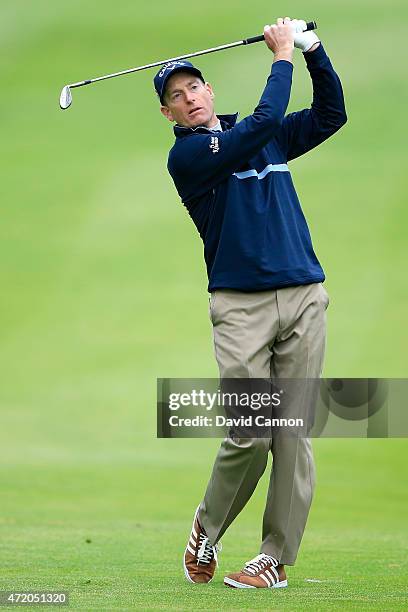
<point>280,334</point>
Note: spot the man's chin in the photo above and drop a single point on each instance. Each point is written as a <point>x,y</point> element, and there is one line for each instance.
<point>197,119</point>
<point>193,122</point>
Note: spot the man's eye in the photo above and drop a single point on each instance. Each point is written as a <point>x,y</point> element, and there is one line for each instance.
<point>194,86</point>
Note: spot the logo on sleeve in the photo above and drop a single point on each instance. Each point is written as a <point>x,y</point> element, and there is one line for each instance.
<point>215,146</point>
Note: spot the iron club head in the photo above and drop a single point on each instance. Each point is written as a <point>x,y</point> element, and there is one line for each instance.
<point>65,97</point>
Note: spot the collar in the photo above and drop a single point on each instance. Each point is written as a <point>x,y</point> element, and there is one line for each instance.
<point>227,122</point>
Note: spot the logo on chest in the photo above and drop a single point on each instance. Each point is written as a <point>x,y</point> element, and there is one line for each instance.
<point>215,145</point>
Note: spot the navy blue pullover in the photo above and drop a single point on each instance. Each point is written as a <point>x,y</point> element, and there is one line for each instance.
<point>238,190</point>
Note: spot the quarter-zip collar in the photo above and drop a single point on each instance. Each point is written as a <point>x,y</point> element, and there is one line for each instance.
<point>227,122</point>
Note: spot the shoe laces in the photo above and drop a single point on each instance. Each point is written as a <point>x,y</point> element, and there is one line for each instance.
<point>260,562</point>
<point>206,552</point>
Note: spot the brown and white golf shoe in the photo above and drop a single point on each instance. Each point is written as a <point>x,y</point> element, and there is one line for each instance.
<point>262,572</point>
<point>200,557</point>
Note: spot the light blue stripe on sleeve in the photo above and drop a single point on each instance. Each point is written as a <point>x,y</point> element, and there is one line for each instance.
<point>269,168</point>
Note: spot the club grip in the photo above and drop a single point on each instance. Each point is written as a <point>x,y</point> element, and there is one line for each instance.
<point>310,25</point>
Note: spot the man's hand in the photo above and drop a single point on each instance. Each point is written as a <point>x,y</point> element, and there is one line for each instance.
<point>306,41</point>
<point>280,39</point>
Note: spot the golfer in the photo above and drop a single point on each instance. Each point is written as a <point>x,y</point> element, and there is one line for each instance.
<point>267,303</point>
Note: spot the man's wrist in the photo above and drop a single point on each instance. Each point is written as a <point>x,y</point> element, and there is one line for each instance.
<point>284,54</point>
<point>315,46</point>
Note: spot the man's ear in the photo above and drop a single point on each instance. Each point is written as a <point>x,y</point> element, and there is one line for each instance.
<point>209,89</point>
<point>166,112</point>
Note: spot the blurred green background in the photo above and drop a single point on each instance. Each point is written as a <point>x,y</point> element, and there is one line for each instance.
<point>104,290</point>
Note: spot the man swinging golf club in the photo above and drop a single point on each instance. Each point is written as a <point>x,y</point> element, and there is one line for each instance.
<point>267,303</point>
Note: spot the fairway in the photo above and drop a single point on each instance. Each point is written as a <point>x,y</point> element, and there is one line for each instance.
<point>110,529</point>
<point>104,291</point>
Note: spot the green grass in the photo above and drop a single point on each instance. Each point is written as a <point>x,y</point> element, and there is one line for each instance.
<point>137,513</point>
<point>103,291</point>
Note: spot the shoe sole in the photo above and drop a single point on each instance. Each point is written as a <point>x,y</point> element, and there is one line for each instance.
<point>240,585</point>
<point>187,575</point>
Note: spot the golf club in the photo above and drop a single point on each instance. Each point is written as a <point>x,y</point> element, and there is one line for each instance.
<point>66,95</point>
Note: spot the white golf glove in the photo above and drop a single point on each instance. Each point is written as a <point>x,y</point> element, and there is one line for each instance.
<point>303,40</point>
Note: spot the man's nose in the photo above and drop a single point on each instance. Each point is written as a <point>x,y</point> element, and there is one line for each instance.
<point>190,96</point>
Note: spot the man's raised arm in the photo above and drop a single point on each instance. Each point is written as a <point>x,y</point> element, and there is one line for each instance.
<point>304,130</point>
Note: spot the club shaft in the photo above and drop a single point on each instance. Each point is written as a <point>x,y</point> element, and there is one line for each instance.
<point>159,63</point>
<point>311,25</point>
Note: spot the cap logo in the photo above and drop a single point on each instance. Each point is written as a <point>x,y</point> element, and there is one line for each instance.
<point>170,66</point>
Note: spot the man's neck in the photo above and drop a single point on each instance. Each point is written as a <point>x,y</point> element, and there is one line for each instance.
<point>212,122</point>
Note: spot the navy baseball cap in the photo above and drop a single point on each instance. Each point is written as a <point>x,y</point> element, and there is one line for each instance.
<point>168,70</point>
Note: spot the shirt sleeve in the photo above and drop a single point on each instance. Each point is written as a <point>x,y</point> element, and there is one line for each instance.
<point>200,161</point>
<point>305,129</point>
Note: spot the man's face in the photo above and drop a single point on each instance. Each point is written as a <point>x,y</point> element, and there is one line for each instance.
<point>188,101</point>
